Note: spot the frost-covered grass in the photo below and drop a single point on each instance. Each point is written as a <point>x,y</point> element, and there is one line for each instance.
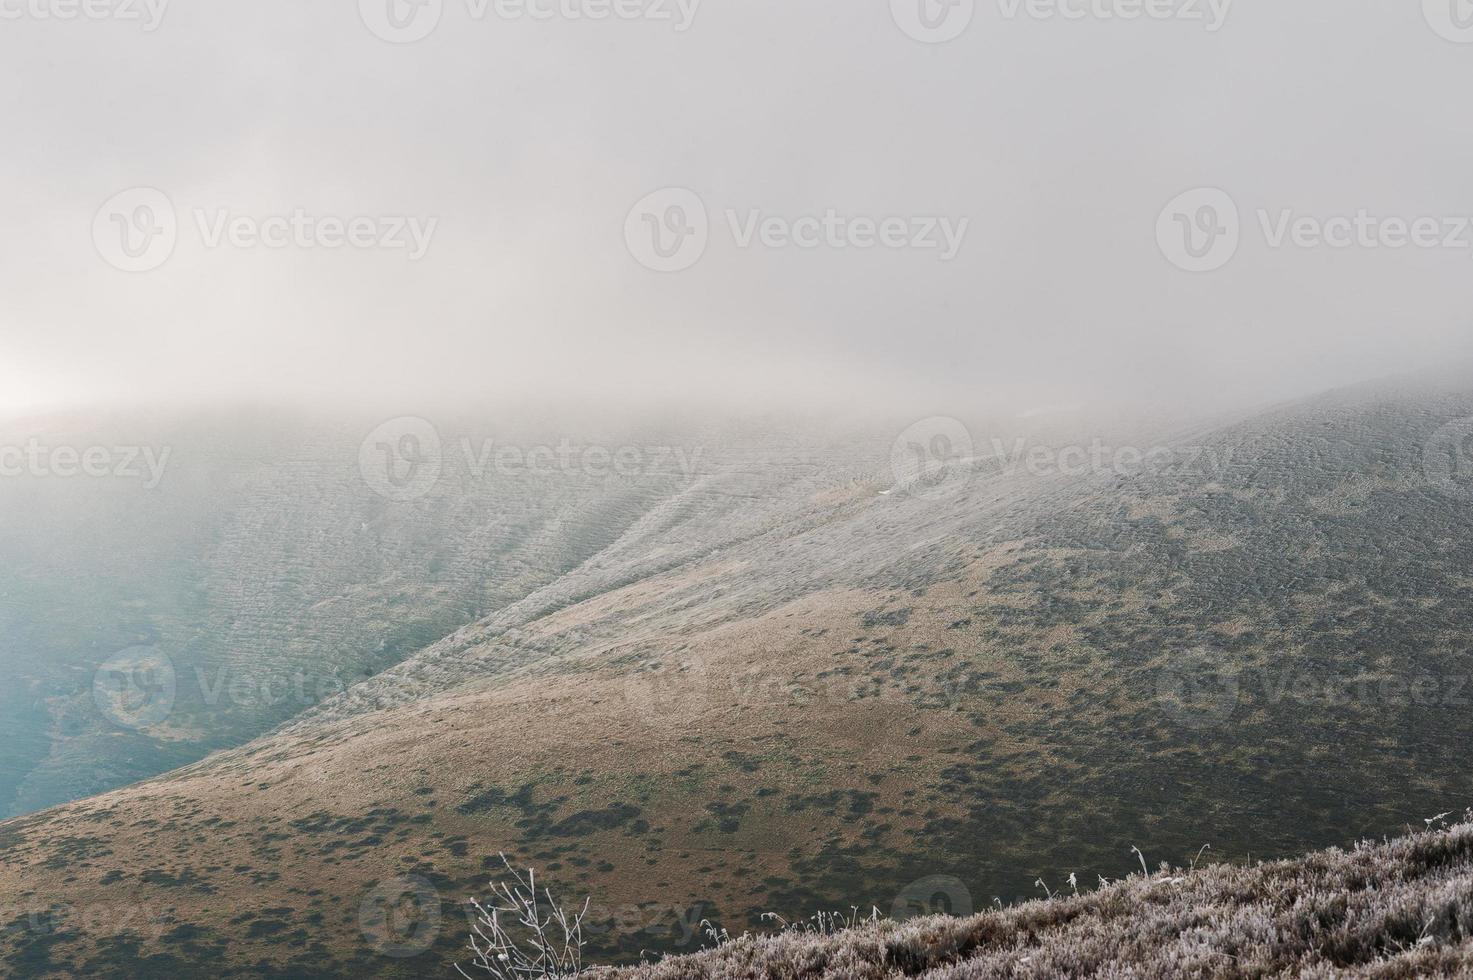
<point>1399,908</point>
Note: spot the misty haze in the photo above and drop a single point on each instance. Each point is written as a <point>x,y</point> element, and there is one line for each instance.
<point>663,489</point>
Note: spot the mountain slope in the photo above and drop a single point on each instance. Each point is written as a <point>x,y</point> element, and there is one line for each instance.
<point>783,689</point>
<point>262,571</point>
<point>1389,910</point>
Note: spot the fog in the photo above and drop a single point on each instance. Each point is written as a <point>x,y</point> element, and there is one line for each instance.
<point>892,218</point>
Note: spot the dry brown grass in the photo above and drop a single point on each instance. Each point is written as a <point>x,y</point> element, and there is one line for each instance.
<point>1399,909</point>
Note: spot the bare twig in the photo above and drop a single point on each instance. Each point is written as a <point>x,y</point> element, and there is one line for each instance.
<point>514,938</point>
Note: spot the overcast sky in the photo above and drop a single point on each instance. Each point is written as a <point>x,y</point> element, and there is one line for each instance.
<point>1047,148</point>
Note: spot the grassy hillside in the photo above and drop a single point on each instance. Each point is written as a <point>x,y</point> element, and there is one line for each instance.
<point>1402,908</point>
<point>264,570</point>
<point>792,684</point>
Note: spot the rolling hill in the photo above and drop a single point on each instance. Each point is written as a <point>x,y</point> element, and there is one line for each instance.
<point>799,679</point>
<point>263,568</point>
<point>1396,909</point>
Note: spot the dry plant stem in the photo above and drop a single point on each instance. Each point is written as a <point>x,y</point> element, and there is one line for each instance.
<point>517,936</point>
